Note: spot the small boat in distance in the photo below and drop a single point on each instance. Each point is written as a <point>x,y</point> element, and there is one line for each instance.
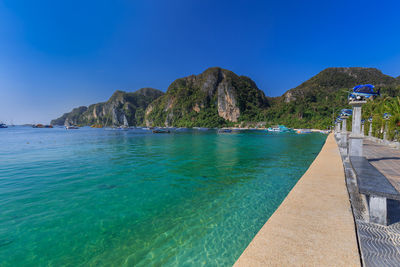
<point>303,131</point>
<point>96,126</point>
<point>224,130</point>
<point>39,125</point>
<point>69,126</point>
<point>161,131</point>
<point>278,129</point>
<point>273,129</point>
<point>2,125</point>
<point>124,127</point>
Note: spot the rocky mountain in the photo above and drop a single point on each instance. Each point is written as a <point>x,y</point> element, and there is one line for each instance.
<point>216,97</point>
<point>73,116</point>
<point>334,79</point>
<point>314,102</point>
<point>121,107</point>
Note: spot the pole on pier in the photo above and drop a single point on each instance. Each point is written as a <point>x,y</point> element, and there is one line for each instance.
<point>337,129</point>
<point>343,135</point>
<point>385,131</point>
<point>362,127</point>
<point>370,127</point>
<point>356,138</point>
<point>386,117</point>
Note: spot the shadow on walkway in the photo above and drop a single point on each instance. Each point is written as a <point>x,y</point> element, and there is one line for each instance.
<point>393,210</point>
<point>384,158</point>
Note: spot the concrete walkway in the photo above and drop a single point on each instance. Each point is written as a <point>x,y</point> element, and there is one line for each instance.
<point>380,245</point>
<point>385,159</point>
<point>314,225</point>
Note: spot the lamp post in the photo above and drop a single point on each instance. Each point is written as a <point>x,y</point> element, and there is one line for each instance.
<point>370,126</point>
<point>359,96</point>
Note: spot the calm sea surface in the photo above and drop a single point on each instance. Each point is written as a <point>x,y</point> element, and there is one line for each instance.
<point>96,197</point>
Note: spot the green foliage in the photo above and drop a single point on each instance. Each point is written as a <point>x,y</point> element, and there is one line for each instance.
<point>74,115</point>
<point>316,102</point>
<point>193,101</point>
<point>132,105</point>
<point>376,109</point>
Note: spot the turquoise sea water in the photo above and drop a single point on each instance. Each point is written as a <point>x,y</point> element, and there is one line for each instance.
<point>92,197</point>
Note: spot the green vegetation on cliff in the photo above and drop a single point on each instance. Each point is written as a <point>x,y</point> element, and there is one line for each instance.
<point>376,109</point>
<point>214,98</point>
<point>120,105</point>
<point>314,103</point>
<point>74,115</point>
<point>218,97</point>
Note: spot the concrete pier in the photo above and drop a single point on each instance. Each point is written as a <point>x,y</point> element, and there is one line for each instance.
<point>314,225</point>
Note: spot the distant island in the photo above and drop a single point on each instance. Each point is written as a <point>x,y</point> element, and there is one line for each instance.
<point>218,97</point>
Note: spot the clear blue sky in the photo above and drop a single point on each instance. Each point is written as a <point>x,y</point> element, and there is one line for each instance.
<point>56,55</point>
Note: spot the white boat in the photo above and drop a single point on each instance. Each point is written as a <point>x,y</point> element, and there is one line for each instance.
<point>68,126</point>
<point>71,127</point>
<point>273,129</point>
<point>278,129</point>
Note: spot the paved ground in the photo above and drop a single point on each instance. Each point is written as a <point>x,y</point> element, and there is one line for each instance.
<point>385,159</point>
<point>314,225</point>
<point>380,245</point>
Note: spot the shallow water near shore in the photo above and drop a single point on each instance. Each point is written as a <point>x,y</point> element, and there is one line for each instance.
<point>96,197</point>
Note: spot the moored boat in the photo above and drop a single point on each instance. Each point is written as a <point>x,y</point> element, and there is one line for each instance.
<point>303,131</point>
<point>273,129</point>
<point>2,125</point>
<point>39,125</point>
<point>224,130</point>
<point>161,131</point>
<point>278,129</point>
<point>96,126</point>
<point>71,127</point>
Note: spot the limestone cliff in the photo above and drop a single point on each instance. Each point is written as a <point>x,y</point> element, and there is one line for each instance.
<point>212,98</point>
<point>121,107</point>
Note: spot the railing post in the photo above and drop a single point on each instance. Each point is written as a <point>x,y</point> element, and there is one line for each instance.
<point>356,138</point>
<point>370,128</point>
<point>362,128</point>
<point>385,137</point>
<point>343,133</point>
